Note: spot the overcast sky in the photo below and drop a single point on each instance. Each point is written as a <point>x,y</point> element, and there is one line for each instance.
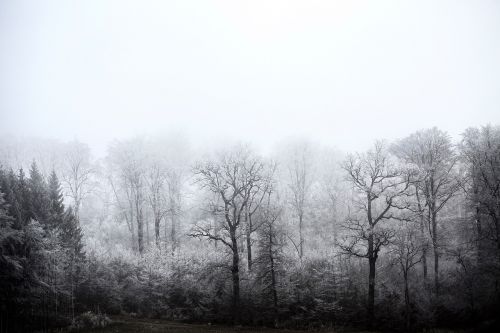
<point>340,72</point>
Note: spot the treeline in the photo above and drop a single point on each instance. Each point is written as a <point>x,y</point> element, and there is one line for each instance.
<point>405,236</point>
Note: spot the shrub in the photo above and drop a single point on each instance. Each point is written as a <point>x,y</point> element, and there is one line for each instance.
<point>90,320</point>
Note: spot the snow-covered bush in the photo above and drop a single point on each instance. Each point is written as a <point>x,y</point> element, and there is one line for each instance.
<point>89,320</point>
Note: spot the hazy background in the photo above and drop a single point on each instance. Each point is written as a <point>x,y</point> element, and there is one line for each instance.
<point>340,72</point>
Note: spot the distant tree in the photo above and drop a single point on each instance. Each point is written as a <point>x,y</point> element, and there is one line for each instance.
<point>230,178</point>
<point>299,183</point>
<point>156,179</point>
<point>174,185</point>
<point>377,186</point>
<point>127,160</point>
<point>77,171</point>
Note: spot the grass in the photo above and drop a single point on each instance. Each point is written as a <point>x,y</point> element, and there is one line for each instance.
<point>137,325</point>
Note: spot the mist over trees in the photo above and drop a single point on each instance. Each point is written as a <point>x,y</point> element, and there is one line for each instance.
<point>404,236</point>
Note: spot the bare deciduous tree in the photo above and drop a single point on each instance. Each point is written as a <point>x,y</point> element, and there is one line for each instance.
<point>127,160</point>
<point>77,171</point>
<point>407,253</point>
<point>299,183</point>
<point>231,179</point>
<point>431,155</point>
<point>377,185</point>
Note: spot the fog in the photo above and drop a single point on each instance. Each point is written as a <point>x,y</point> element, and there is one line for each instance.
<point>243,166</point>
<point>340,72</point>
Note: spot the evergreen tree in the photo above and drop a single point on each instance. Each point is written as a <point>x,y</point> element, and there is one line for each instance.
<point>56,205</point>
<point>71,234</point>
<point>21,200</point>
<point>55,195</point>
<point>39,200</point>
<point>11,265</point>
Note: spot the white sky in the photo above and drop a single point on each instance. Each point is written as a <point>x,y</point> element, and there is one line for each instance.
<point>340,72</point>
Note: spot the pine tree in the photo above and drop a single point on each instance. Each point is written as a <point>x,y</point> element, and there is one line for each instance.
<point>55,195</point>
<point>71,234</point>
<point>11,266</point>
<point>56,205</point>
<point>38,196</point>
<point>21,200</point>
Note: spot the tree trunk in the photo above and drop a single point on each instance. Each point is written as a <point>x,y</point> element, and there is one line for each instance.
<point>371,281</point>
<point>235,271</point>
<point>436,253</point>
<point>157,230</point>
<point>273,277</point>
<point>407,303</point>
<point>173,234</point>
<point>140,227</point>
<point>301,236</point>
<point>424,248</point>
<point>249,240</point>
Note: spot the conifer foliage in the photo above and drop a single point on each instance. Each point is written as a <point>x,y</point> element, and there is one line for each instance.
<point>40,252</point>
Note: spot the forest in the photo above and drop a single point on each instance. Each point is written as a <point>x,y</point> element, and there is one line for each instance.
<point>402,237</point>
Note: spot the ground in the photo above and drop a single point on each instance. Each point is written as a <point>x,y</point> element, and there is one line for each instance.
<point>136,325</point>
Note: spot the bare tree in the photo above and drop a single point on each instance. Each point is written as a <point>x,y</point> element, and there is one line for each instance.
<point>299,183</point>
<point>431,155</point>
<point>174,185</point>
<point>407,253</point>
<point>230,178</point>
<point>480,150</point>
<point>258,192</point>
<point>127,160</point>
<point>77,171</point>
<point>377,186</point>
<point>270,257</point>
<point>156,177</point>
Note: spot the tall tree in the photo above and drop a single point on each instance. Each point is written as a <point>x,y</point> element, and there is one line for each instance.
<point>174,182</point>
<point>430,153</point>
<point>56,206</point>
<point>299,183</point>
<point>230,178</point>
<point>156,181</point>
<point>480,150</point>
<point>269,260</point>
<point>38,196</point>
<point>127,162</point>
<point>377,186</point>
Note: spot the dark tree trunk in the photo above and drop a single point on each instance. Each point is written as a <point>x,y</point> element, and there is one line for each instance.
<point>436,270</point>
<point>372,258</point>
<point>273,275</point>
<point>436,253</point>
<point>424,248</point>
<point>140,227</point>
<point>157,230</point>
<point>235,271</point>
<point>301,236</point>
<point>249,241</point>
<point>173,234</point>
<point>407,303</point>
